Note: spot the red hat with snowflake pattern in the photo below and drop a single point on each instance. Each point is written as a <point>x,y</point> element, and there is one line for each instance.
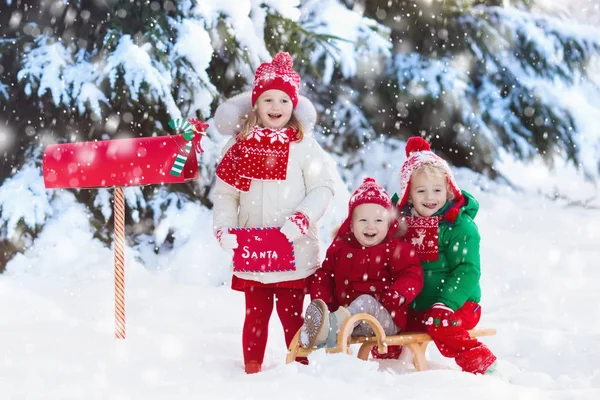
<point>278,74</point>
<point>369,192</point>
<point>419,154</point>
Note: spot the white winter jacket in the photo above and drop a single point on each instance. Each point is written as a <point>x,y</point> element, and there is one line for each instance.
<point>308,188</point>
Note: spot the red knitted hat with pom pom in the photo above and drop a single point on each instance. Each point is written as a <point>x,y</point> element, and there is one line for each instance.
<point>278,74</point>
<point>369,192</point>
<point>419,154</point>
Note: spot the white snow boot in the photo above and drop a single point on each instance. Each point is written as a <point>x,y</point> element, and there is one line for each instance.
<point>315,328</point>
<point>321,327</point>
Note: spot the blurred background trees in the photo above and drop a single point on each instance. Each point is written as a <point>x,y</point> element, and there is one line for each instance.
<point>480,79</point>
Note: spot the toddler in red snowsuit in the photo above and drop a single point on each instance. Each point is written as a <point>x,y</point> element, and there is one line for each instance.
<point>366,270</point>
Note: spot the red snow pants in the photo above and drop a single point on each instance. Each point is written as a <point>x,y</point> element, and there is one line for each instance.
<point>259,307</point>
<point>453,341</point>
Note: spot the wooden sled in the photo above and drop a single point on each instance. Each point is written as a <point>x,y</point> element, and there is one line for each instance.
<point>415,341</point>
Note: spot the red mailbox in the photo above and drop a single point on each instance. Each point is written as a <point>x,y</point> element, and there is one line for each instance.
<point>121,162</point>
<point>125,162</point>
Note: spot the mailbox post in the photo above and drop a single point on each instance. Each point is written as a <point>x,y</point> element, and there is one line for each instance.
<point>125,162</point>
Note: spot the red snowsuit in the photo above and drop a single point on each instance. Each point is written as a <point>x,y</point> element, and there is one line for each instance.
<point>383,271</point>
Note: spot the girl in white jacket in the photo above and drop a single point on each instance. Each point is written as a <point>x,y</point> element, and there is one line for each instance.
<point>272,173</point>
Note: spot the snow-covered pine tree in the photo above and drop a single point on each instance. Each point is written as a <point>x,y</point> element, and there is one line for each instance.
<point>97,70</point>
<point>89,70</point>
<point>344,91</point>
<point>481,77</point>
<point>477,77</point>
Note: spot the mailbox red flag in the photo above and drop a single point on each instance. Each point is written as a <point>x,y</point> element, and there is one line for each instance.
<point>119,162</point>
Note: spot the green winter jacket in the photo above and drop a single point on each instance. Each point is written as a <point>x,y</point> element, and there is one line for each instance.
<point>453,278</point>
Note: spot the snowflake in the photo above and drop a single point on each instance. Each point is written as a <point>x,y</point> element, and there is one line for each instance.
<point>256,133</point>
<point>278,135</point>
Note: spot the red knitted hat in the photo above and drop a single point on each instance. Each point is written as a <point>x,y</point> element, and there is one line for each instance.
<point>418,154</point>
<point>369,192</point>
<point>278,74</point>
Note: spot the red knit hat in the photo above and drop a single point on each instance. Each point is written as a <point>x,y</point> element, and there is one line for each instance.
<point>278,74</point>
<point>418,154</point>
<point>369,192</point>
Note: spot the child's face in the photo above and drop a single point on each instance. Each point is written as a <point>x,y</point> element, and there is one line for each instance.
<point>274,109</point>
<point>428,193</point>
<point>370,224</point>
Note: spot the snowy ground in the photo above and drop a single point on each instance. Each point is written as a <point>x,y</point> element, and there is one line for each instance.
<point>540,290</point>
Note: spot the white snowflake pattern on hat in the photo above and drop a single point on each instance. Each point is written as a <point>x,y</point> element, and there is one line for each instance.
<point>418,153</point>
<point>369,192</point>
<point>279,75</point>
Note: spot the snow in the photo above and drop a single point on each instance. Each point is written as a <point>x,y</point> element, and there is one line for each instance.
<point>561,87</point>
<point>539,281</point>
<point>137,68</point>
<point>83,77</point>
<point>248,32</point>
<point>3,89</point>
<point>23,198</point>
<point>194,44</point>
<point>45,64</point>
<point>361,38</point>
<point>539,235</point>
<point>51,64</point>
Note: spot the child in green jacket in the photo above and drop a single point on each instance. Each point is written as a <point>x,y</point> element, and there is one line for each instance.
<point>439,219</point>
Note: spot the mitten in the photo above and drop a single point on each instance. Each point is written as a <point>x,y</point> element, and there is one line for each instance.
<point>392,300</point>
<point>440,314</point>
<point>228,241</point>
<point>295,226</point>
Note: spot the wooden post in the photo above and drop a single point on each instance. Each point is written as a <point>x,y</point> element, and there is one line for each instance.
<point>119,229</point>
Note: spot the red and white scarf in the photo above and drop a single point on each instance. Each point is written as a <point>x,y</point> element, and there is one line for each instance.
<point>423,234</point>
<point>262,155</point>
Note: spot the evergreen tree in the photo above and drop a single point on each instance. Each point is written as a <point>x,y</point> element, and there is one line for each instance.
<point>474,78</point>
<point>96,70</point>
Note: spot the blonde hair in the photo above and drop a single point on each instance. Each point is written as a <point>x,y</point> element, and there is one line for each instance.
<point>437,171</point>
<point>251,119</point>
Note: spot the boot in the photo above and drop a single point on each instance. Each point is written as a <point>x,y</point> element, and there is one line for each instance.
<point>252,367</point>
<point>336,319</point>
<point>315,328</point>
<point>341,315</point>
<point>320,327</point>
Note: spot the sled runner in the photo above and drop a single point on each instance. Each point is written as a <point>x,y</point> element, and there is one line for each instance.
<point>416,342</point>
